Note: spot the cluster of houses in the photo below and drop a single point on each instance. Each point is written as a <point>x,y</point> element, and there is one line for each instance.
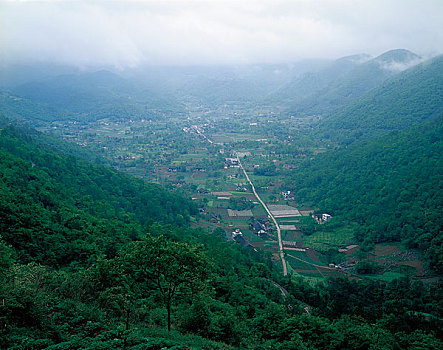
<point>260,227</point>
<point>195,128</point>
<point>241,187</point>
<point>351,260</point>
<point>231,163</point>
<point>344,266</point>
<point>288,195</point>
<point>237,236</point>
<point>321,218</point>
<point>215,219</point>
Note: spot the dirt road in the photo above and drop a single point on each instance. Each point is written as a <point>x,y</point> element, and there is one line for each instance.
<point>280,244</point>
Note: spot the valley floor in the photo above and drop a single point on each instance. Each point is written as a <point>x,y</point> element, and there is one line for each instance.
<point>208,158</point>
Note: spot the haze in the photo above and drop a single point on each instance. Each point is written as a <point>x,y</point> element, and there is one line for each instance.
<point>130,33</point>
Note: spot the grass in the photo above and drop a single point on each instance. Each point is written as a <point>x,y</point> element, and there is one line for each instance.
<point>295,236</point>
<point>303,256</point>
<point>194,155</point>
<point>243,224</point>
<point>164,339</point>
<point>326,240</point>
<point>258,210</point>
<point>311,274</point>
<point>251,237</point>
<point>299,265</point>
<point>387,276</point>
<point>232,137</point>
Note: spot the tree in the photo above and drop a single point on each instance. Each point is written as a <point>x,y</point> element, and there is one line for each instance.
<point>171,268</point>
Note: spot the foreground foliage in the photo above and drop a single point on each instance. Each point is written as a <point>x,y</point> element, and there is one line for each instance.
<point>96,271</point>
<point>61,210</point>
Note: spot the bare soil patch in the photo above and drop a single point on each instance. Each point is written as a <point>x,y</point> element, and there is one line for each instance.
<point>417,264</point>
<point>386,250</point>
<point>313,254</point>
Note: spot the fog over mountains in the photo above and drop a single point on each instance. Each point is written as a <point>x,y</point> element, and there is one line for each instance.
<point>320,87</point>
<point>133,33</point>
<point>212,174</point>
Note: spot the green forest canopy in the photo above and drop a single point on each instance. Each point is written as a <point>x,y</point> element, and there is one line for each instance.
<point>94,259</point>
<point>391,186</point>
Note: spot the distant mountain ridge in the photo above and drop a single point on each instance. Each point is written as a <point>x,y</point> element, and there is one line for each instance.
<point>21,108</point>
<point>408,98</point>
<point>97,95</point>
<point>300,88</point>
<point>310,83</point>
<point>348,85</point>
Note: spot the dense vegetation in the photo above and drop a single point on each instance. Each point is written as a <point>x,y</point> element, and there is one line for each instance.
<point>94,259</point>
<point>308,85</point>
<point>81,208</point>
<point>350,85</point>
<point>21,108</point>
<point>391,186</point>
<point>230,297</point>
<point>411,97</point>
<point>92,96</point>
<point>84,265</point>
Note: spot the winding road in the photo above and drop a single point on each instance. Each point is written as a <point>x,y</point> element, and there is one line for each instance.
<point>280,244</point>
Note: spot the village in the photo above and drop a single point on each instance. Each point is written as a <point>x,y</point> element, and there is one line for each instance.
<point>202,158</point>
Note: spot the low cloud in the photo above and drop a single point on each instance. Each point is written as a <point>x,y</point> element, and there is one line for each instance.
<point>129,33</point>
<point>400,66</point>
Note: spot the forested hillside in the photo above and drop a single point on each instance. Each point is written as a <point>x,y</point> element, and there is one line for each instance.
<point>21,108</point>
<point>94,95</point>
<point>310,83</point>
<point>409,98</point>
<point>88,263</point>
<point>350,78</point>
<point>392,186</point>
<point>58,209</point>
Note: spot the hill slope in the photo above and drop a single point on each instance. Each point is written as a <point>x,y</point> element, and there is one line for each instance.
<point>311,83</point>
<point>411,97</point>
<point>96,95</point>
<point>352,84</point>
<point>18,107</point>
<point>57,209</point>
<point>392,186</point>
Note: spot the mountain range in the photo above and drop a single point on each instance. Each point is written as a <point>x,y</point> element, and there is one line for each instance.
<point>301,88</point>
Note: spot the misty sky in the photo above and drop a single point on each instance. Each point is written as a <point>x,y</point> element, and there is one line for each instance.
<point>128,33</point>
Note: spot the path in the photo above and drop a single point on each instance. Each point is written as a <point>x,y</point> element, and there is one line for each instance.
<point>307,262</point>
<point>204,136</point>
<point>283,291</point>
<point>197,130</point>
<point>280,244</point>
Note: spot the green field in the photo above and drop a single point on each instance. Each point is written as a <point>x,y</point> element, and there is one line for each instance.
<point>303,256</point>
<point>299,265</point>
<point>295,236</point>
<point>327,240</point>
<point>387,276</point>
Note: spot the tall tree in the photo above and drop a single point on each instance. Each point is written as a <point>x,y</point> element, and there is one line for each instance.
<point>171,268</point>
